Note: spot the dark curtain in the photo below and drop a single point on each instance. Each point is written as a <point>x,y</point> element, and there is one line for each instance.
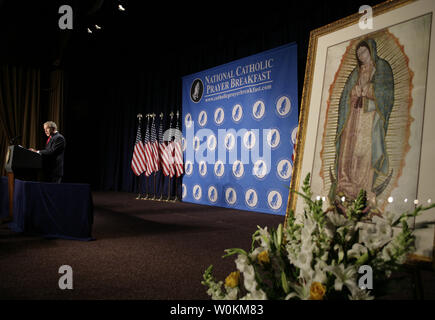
<point>19,107</point>
<point>55,98</point>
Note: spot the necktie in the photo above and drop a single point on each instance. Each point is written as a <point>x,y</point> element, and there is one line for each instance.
<point>48,139</point>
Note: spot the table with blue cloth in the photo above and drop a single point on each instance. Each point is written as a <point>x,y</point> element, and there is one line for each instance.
<point>4,199</point>
<point>52,210</point>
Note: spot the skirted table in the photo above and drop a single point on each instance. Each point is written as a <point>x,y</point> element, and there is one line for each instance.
<point>4,200</point>
<point>51,210</point>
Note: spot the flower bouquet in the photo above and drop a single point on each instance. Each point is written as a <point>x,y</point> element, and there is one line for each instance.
<point>319,254</point>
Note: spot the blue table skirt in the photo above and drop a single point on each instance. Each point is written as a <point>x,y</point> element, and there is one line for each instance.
<point>53,210</point>
<point>4,199</point>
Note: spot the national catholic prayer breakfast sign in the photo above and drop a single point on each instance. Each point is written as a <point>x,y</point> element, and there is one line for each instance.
<point>239,128</point>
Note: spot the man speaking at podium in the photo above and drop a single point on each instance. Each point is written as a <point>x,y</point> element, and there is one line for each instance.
<point>53,154</point>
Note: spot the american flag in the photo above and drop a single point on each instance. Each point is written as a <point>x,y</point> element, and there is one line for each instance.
<point>170,151</point>
<point>138,163</point>
<point>154,148</point>
<point>164,156</point>
<point>148,152</point>
<point>178,153</point>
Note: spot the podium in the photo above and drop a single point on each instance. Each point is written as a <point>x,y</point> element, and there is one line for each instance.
<point>20,164</point>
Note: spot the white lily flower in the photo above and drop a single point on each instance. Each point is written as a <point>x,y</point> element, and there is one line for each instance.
<point>344,276</point>
<point>324,257</point>
<point>215,291</point>
<point>232,293</point>
<point>290,295</point>
<point>357,251</point>
<point>256,295</point>
<point>320,272</point>
<point>387,253</point>
<point>361,295</point>
<point>253,255</point>
<point>263,238</point>
<point>303,261</point>
<point>302,291</point>
<point>339,248</point>
<point>248,271</point>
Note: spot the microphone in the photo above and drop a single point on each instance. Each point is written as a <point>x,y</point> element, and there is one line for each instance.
<point>13,140</point>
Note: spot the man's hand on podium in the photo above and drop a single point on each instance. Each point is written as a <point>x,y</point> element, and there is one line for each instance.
<point>31,149</point>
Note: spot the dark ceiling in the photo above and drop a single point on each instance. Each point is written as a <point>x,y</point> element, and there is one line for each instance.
<point>29,32</point>
<point>29,29</point>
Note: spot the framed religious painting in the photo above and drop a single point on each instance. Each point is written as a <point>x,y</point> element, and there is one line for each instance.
<point>367,118</point>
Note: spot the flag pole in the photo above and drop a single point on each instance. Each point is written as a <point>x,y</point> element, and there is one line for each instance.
<point>162,177</point>
<point>147,187</point>
<point>138,185</point>
<point>175,178</point>
<point>155,172</point>
<point>169,142</point>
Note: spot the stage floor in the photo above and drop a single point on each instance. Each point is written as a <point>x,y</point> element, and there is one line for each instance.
<point>143,250</point>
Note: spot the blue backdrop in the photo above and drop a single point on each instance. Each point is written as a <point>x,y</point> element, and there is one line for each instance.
<point>239,126</point>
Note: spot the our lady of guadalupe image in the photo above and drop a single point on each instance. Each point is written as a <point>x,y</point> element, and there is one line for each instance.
<point>371,116</point>
<point>364,111</point>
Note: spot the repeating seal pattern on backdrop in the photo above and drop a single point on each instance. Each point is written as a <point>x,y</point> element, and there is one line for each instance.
<point>237,113</point>
<point>219,116</point>
<point>251,198</point>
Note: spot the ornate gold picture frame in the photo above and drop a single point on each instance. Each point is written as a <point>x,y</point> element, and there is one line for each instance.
<point>367,114</point>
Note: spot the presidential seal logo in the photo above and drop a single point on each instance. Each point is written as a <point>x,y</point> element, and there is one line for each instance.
<point>196,143</point>
<point>258,110</point>
<point>251,198</point>
<point>230,196</point>
<point>202,168</point>
<point>283,106</point>
<point>260,169</point>
<point>219,169</point>
<point>249,139</point>
<point>273,138</point>
<point>211,142</point>
<point>237,113</point>
<point>238,169</point>
<point>183,191</point>
<point>219,116</point>
<point>188,168</point>
<point>196,90</point>
<point>284,169</point>
<point>197,192</point>
<point>188,120</point>
<point>212,194</point>
<point>183,144</point>
<point>229,141</point>
<point>274,200</point>
<point>202,118</point>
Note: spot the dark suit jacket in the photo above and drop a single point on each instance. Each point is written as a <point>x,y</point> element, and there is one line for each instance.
<point>52,156</point>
